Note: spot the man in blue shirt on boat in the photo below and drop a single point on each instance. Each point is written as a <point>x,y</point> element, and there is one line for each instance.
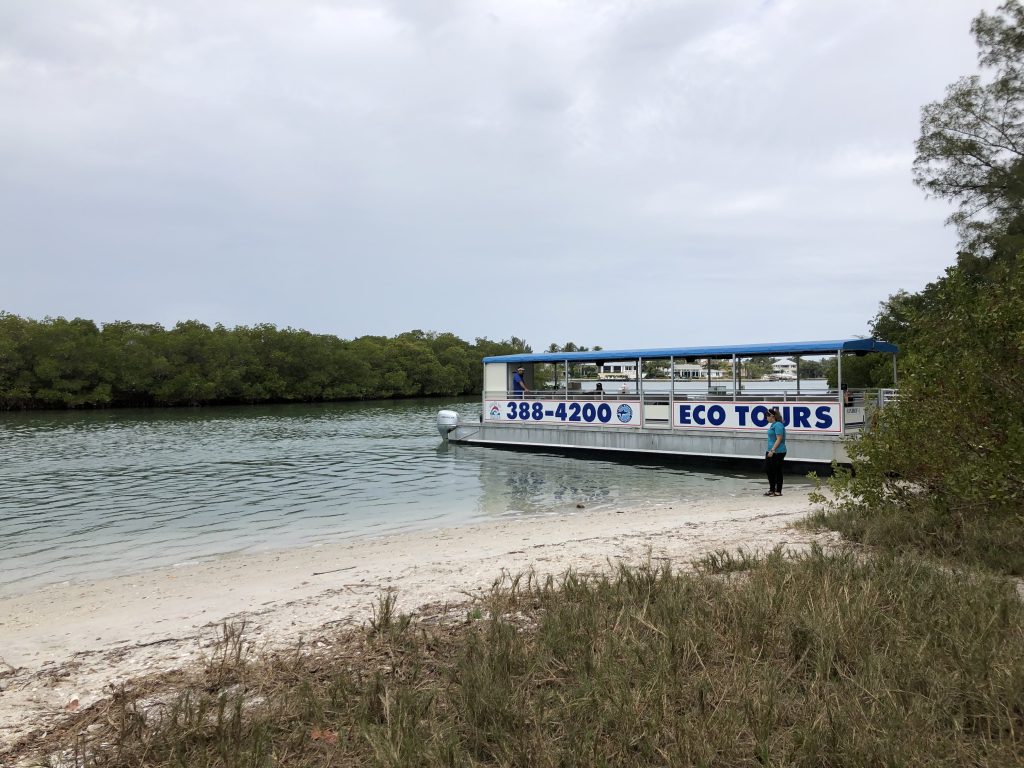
<point>519,384</point>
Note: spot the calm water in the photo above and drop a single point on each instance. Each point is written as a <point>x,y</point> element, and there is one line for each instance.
<point>89,495</point>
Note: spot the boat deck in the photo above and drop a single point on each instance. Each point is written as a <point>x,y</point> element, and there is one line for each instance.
<point>653,439</point>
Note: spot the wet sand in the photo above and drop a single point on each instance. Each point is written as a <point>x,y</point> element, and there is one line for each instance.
<point>68,643</point>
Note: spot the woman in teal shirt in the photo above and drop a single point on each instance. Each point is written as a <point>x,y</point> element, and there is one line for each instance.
<point>776,452</point>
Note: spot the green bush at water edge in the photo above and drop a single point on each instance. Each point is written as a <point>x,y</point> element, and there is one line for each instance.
<point>59,363</point>
<point>943,469</point>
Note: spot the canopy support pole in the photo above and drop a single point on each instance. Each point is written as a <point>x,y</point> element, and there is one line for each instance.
<point>839,379</point>
<point>671,388</point>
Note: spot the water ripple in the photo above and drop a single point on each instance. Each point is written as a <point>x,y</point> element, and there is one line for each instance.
<point>90,495</point>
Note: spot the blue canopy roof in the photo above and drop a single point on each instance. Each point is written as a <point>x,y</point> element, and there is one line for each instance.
<point>739,350</point>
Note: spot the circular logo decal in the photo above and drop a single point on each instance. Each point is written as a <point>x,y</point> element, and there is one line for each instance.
<point>625,413</point>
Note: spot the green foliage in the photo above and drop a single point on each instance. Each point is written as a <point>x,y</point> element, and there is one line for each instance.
<point>813,369</point>
<point>655,369</point>
<point>943,468</point>
<point>870,370</point>
<point>59,363</point>
<point>555,373</point>
<point>756,367</point>
<point>971,148</point>
<point>942,471</point>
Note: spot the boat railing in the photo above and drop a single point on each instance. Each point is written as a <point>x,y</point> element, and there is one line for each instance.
<point>872,397</point>
<point>858,397</point>
<point>886,395</point>
<point>560,394</point>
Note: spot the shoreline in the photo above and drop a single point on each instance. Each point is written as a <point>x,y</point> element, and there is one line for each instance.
<point>70,642</point>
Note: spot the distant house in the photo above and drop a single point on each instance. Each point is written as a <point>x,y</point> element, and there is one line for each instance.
<point>689,371</point>
<point>784,367</point>
<point>618,370</point>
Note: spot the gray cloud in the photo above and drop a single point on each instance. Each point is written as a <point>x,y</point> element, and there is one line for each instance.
<point>608,172</point>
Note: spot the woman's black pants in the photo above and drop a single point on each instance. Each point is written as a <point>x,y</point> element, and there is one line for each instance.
<point>773,466</point>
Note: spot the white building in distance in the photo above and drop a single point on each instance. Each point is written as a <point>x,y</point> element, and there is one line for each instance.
<point>784,368</point>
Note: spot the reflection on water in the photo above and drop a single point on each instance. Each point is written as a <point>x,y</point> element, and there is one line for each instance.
<point>89,495</point>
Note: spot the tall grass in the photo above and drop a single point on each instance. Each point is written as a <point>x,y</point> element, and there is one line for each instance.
<point>806,660</point>
<point>909,519</point>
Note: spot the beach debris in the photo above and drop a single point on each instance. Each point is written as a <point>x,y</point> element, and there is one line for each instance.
<point>580,505</point>
<point>336,570</point>
<point>325,735</point>
<point>71,706</point>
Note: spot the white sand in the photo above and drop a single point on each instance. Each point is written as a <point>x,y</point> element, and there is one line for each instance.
<point>71,642</point>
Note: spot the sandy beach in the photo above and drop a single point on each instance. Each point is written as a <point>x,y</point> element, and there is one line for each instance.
<point>69,643</point>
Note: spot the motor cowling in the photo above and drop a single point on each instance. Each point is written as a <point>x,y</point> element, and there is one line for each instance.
<point>446,422</point>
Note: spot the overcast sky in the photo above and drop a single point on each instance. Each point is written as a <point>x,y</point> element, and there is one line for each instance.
<point>627,174</point>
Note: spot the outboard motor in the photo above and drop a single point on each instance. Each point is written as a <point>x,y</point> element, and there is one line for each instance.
<point>446,422</point>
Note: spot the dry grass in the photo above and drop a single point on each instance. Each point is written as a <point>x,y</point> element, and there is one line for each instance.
<point>811,659</point>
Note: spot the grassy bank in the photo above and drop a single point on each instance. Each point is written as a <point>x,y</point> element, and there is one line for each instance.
<point>814,659</point>
<point>948,529</point>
